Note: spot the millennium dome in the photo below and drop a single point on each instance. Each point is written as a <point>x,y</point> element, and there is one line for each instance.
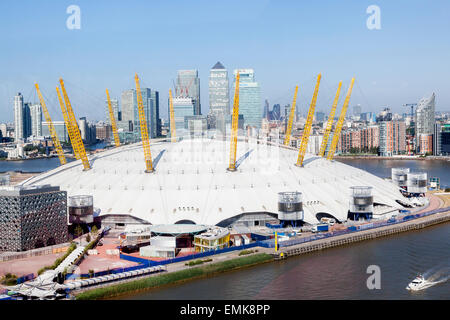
<point>191,184</point>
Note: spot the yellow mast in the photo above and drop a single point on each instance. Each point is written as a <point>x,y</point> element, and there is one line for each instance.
<point>51,128</point>
<point>326,134</point>
<point>113,121</point>
<point>75,130</point>
<point>308,125</point>
<point>67,122</point>
<point>337,132</point>
<point>234,126</point>
<point>144,130</point>
<point>173,132</point>
<point>291,119</point>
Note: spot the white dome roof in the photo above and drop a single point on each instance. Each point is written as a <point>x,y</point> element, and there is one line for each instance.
<point>191,182</point>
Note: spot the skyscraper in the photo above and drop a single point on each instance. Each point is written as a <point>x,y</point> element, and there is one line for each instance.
<point>130,111</point>
<point>18,117</point>
<point>249,98</point>
<point>36,120</point>
<point>115,108</point>
<point>219,91</point>
<point>182,107</point>
<point>188,85</point>
<point>357,110</point>
<point>424,123</point>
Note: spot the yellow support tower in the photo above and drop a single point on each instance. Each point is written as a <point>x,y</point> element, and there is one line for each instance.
<point>234,126</point>
<point>173,132</point>
<point>144,130</point>
<point>78,142</point>
<point>51,128</point>
<point>113,121</point>
<point>67,122</point>
<point>287,137</point>
<point>323,147</point>
<point>340,122</point>
<point>308,125</point>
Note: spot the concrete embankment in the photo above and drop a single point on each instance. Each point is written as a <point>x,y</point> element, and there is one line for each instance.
<point>362,235</point>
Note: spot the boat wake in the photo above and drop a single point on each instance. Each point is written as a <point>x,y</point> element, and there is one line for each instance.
<point>436,275</point>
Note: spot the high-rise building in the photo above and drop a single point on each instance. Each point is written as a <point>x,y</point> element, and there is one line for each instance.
<point>26,120</point>
<point>445,140</point>
<point>130,111</point>
<point>182,107</point>
<point>320,116</point>
<point>188,86</point>
<point>357,110</point>
<point>266,114</point>
<point>18,117</point>
<point>219,90</point>
<point>276,112</point>
<point>392,137</point>
<point>424,122</point>
<point>437,139</point>
<point>36,120</point>
<point>115,108</point>
<point>156,129</point>
<point>60,128</point>
<point>249,98</point>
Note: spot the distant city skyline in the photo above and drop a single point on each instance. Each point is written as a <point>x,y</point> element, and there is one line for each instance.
<point>398,64</point>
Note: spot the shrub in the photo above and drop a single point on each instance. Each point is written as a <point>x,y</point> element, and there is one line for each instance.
<point>9,279</point>
<point>244,252</point>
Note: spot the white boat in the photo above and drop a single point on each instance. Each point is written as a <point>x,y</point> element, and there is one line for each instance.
<point>419,283</point>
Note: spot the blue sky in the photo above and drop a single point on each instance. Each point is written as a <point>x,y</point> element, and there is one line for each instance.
<point>285,42</point>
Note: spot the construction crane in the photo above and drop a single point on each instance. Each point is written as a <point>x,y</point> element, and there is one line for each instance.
<point>412,105</point>
<point>173,135</point>
<point>113,121</point>
<point>144,130</point>
<point>308,125</point>
<point>234,126</point>
<point>51,128</point>
<point>340,122</point>
<point>67,122</point>
<point>77,141</point>
<point>326,134</point>
<point>287,137</point>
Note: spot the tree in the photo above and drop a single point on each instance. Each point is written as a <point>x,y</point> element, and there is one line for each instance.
<point>88,238</point>
<point>78,231</point>
<point>94,231</point>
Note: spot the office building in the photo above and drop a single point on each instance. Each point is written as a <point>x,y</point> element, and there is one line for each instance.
<point>445,140</point>
<point>249,98</point>
<point>32,217</point>
<point>60,128</point>
<point>188,86</point>
<point>357,110</point>
<point>115,109</point>
<point>219,90</point>
<point>130,111</point>
<point>182,107</point>
<point>320,116</point>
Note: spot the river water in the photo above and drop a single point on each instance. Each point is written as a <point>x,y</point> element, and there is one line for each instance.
<point>336,273</point>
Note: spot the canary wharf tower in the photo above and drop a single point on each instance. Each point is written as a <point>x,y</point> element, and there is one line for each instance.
<point>219,97</point>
